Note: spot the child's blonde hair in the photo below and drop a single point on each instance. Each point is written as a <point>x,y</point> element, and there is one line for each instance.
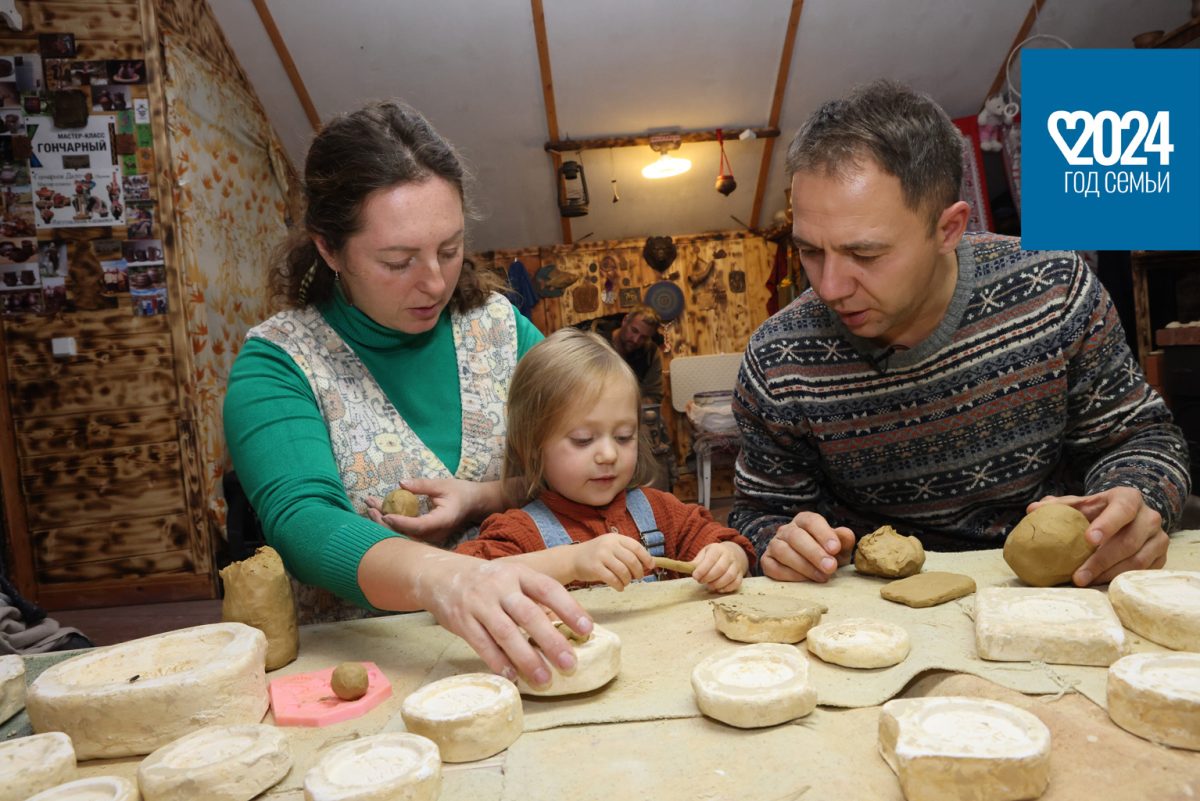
<point>568,369</point>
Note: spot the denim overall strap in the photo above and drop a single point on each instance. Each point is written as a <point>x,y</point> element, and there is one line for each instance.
<point>639,506</point>
<point>552,531</point>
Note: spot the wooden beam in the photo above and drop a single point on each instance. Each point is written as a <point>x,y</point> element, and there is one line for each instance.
<point>201,534</point>
<point>685,137</point>
<point>543,51</point>
<point>289,66</point>
<point>1021,36</point>
<point>781,78</point>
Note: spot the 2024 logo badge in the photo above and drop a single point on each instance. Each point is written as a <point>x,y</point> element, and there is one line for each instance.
<point>1107,133</point>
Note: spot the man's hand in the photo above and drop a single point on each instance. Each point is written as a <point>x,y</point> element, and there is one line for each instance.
<point>807,549</point>
<point>720,566</point>
<point>1127,534</point>
<point>613,559</point>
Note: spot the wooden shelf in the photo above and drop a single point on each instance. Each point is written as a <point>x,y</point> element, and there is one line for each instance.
<point>1185,33</point>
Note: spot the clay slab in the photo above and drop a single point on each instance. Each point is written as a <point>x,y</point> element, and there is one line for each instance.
<point>1060,625</point>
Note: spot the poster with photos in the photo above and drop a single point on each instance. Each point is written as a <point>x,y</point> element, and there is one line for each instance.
<point>147,276</point>
<point>126,71</point>
<point>74,172</point>
<point>20,79</point>
<point>21,288</point>
<point>114,276</point>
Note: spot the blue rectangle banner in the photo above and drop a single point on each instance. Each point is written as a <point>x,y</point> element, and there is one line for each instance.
<point>1110,149</point>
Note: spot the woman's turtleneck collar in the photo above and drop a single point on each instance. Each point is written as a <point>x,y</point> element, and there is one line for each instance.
<point>359,330</point>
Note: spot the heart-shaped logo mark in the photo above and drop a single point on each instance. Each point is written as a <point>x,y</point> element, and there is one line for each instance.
<point>1072,119</point>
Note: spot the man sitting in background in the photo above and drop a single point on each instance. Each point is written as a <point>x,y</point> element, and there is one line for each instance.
<point>635,336</point>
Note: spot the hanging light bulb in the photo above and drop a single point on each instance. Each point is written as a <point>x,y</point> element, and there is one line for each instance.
<point>667,165</point>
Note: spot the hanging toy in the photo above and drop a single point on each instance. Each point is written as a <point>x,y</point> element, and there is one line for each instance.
<point>725,182</point>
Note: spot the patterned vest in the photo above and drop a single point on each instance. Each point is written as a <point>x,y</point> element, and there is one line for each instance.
<point>373,446</point>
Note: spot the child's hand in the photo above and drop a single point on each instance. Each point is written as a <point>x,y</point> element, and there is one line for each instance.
<point>720,566</point>
<point>613,559</point>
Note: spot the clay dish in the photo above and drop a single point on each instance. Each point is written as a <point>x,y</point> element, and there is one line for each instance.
<point>217,763</point>
<point>132,698</point>
<point>1157,696</point>
<point>470,717</point>
<point>31,764</point>
<point>1161,605</point>
<point>860,642</point>
<point>754,685</point>
<point>938,746</point>
<point>95,788</point>
<point>380,767</point>
<point>598,660</point>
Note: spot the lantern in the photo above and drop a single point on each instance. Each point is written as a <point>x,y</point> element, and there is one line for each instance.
<point>572,190</point>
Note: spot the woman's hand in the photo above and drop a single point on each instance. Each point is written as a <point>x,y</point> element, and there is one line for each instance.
<point>614,559</point>
<point>497,606</point>
<point>456,504</point>
<point>720,566</point>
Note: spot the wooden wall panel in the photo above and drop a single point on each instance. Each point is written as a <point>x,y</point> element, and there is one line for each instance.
<point>112,508</point>
<point>96,356</point>
<point>87,20</point>
<point>74,395</point>
<point>100,470</point>
<point>110,429</point>
<point>99,542</point>
<point>157,564</point>
<point>114,502</point>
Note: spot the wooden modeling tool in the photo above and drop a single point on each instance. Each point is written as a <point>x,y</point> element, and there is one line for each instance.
<point>674,565</point>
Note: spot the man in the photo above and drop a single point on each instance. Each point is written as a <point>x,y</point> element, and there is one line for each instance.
<point>945,383</point>
<point>635,336</point>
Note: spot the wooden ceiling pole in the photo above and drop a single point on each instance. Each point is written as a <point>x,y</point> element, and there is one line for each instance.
<point>289,66</point>
<point>685,137</point>
<point>1021,36</point>
<point>785,66</point>
<point>543,51</point>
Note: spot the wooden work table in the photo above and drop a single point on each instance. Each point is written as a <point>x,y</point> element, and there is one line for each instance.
<point>642,737</point>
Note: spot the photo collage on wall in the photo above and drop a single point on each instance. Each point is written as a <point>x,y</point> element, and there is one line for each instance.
<point>76,152</point>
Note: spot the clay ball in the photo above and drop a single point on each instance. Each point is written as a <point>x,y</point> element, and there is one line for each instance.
<point>1048,546</point>
<point>349,681</point>
<point>885,552</point>
<point>401,502</point>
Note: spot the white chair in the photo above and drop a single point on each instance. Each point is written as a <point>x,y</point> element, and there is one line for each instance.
<point>690,376</point>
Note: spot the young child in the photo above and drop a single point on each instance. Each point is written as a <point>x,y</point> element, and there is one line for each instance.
<point>575,453</point>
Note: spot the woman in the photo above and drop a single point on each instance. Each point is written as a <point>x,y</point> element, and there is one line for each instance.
<point>390,363</point>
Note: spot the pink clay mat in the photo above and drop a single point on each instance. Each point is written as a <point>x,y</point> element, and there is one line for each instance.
<point>306,699</point>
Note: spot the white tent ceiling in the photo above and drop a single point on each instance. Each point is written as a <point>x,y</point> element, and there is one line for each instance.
<point>627,67</point>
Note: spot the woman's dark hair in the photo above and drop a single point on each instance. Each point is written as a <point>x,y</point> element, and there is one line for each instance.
<point>383,145</point>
